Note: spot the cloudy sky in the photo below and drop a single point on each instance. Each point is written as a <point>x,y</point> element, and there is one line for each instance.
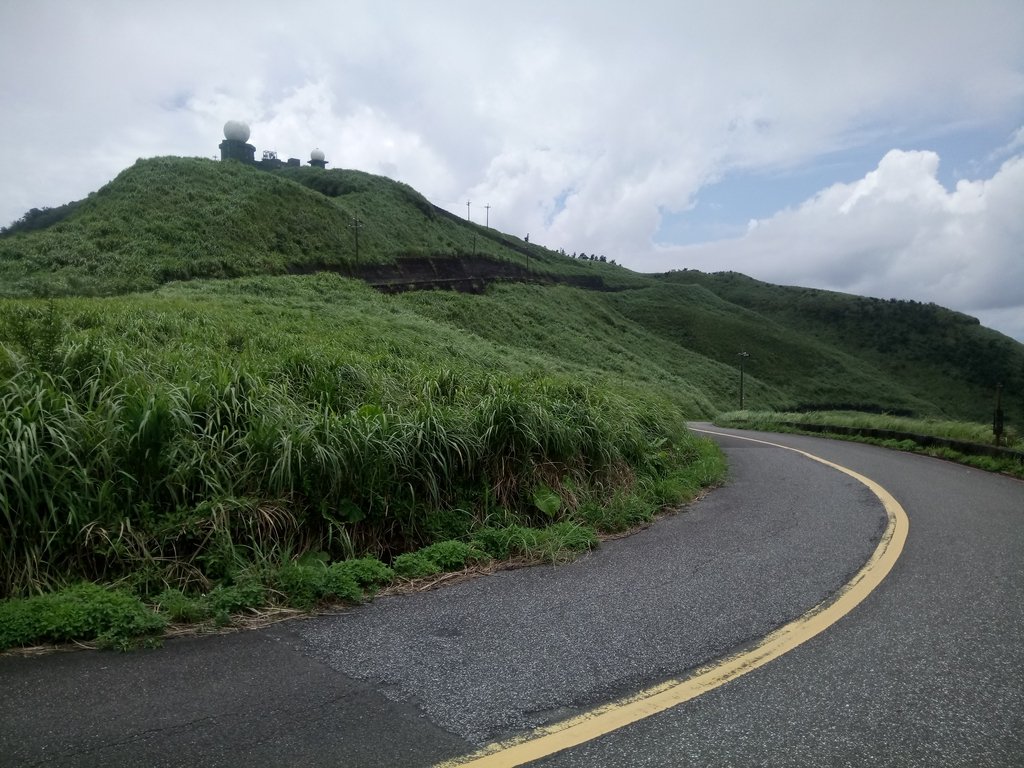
<point>869,147</point>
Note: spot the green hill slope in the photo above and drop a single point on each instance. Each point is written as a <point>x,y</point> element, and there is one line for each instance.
<point>947,362</point>
<point>196,385</point>
<point>169,219</point>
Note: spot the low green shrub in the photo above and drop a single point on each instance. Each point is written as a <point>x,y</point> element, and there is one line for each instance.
<point>554,543</point>
<point>368,572</point>
<point>453,555</point>
<point>86,612</point>
<point>180,607</point>
<point>623,512</point>
<point>415,565</point>
<point>219,604</point>
<point>502,542</point>
<point>303,586</point>
<point>232,598</point>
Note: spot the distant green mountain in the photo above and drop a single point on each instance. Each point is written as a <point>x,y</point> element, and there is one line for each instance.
<point>941,357</point>
<point>172,219</point>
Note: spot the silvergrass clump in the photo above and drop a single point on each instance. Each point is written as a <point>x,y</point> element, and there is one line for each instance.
<point>174,460</point>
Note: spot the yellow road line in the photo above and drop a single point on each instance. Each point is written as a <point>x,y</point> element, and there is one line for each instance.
<point>597,722</point>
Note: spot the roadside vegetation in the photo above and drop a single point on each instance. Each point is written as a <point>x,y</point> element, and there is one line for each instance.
<point>908,434</point>
<point>204,416</point>
<point>206,455</point>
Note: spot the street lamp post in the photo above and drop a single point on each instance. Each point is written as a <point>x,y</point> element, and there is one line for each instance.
<point>355,226</point>
<point>467,209</point>
<point>743,357</point>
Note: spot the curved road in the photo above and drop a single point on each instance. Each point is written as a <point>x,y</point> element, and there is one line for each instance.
<point>928,670</point>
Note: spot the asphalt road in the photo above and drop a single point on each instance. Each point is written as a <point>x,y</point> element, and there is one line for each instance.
<point>929,670</point>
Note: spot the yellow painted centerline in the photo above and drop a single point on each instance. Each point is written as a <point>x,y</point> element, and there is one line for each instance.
<point>609,717</point>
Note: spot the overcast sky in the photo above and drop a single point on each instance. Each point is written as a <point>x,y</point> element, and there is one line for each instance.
<point>869,147</point>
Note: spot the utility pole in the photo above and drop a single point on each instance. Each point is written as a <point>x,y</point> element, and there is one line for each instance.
<point>487,219</point>
<point>355,226</point>
<point>467,210</point>
<point>743,357</point>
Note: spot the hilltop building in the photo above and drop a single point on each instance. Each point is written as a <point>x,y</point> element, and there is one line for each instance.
<point>236,146</point>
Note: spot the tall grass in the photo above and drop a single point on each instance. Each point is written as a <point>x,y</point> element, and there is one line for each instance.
<point>128,464</point>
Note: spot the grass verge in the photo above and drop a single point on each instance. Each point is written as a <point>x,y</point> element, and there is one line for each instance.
<point>910,435</point>
<point>111,617</point>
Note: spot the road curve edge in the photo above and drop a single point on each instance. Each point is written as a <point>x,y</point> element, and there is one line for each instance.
<point>557,737</point>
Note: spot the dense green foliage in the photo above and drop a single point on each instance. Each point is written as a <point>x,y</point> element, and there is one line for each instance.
<point>210,413</point>
<point>177,437</point>
<point>81,612</point>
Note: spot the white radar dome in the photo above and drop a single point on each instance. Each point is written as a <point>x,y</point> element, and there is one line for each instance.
<point>235,130</point>
<point>316,154</point>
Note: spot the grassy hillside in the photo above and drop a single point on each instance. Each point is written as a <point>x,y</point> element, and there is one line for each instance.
<point>195,382</point>
<point>188,435</point>
<point>169,219</point>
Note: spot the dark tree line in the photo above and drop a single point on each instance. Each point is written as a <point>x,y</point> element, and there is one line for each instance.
<point>39,218</point>
<point>592,257</point>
